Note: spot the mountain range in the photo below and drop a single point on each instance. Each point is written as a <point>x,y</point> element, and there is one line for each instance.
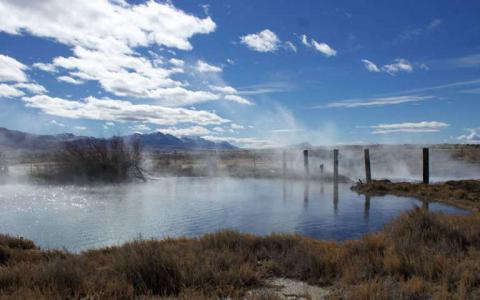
<point>17,140</point>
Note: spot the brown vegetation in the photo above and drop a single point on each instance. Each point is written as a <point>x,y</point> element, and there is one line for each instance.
<point>92,160</point>
<point>419,255</point>
<point>461,193</point>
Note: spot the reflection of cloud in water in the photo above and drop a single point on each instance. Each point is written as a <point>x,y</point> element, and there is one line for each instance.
<point>85,217</point>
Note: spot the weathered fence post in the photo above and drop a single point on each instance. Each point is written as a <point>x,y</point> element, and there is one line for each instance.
<point>305,163</point>
<point>335,165</point>
<point>284,165</point>
<point>426,166</point>
<point>368,173</point>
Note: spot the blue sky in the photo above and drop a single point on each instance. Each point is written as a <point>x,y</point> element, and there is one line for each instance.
<point>255,73</point>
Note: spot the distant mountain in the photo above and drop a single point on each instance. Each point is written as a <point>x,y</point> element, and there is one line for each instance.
<point>17,140</point>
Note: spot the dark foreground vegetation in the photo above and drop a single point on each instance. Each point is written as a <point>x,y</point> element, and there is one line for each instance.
<point>461,193</point>
<point>419,255</point>
<point>93,160</point>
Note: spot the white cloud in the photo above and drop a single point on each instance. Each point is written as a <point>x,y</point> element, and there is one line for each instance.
<point>57,123</point>
<point>324,48</point>
<point>120,111</point>
<point>290,46</point>
<point>104,24</point>
<point>70,80</point>
<point>189,131</point>
<point>399,65</point>
<point>80,128</point>
<point>263,41</point>
<point>238,99</point>
<point>365,102</point>
<point>419,127</point>
<point>304,40</point>
<point>11,69</point>
<point>104,37</point>
<point>45,67</point>
<point>140,128</point>
<point>223,89</point>
<point>31,87</point>
<point>473,136</point>
<point>370,66</point>
<point>435,23</point>
<point>177,62</point>
<point>230,61</point>
<point>248,142</point>
<point>203,66</point>
<point>236,126</point>
<point>8,91</point>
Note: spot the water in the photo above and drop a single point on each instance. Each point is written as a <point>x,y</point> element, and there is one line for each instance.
<point>79,218</point>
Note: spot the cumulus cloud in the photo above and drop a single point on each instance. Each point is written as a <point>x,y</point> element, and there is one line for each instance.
<point>411,127</point>
<point>120,111</point>
<point>398,65</point>
<point>104,37</point>
<point>33,88</point>
<point>472,137</point>
<point>323,48</point>
<point>381,101</point>
<point>11,69</point>
<point>263,41</point>
<point>104,24</point>
<point>8,91</point>
<point>202,66</point>
<point>140,128</point>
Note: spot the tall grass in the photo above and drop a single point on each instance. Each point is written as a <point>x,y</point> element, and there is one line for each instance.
<point>419,255</point>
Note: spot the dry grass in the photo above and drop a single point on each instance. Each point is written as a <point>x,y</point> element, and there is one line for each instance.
<point>461,193</point>
<point>417,256</point>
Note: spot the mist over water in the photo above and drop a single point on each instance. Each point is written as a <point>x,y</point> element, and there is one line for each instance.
<point>79,218</point>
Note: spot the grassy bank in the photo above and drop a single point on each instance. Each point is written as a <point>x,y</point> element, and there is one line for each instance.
<point>461,193</point>
<point>418,255</point>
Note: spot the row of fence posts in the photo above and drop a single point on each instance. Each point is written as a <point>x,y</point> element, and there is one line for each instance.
<point>368,170</point>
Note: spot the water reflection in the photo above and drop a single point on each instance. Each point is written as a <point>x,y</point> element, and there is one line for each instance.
<point>84,217</point>
<point>366,209</point>
<point>335,197</point>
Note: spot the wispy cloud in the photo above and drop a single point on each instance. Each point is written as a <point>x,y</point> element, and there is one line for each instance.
<point>267,88</point>
<point>410,127</point>
<point>382,101</point>
<point>398,65</point>
<point>321,47</point>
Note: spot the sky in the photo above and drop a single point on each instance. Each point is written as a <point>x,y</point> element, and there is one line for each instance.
<point>253,73</point>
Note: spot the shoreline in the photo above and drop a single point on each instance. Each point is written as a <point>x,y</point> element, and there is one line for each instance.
<point>417,255</point>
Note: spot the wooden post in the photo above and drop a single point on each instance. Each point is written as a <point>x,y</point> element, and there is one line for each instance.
<point>254,163</point>
<point>284,165</point>
<point>368,173</point>
<point>335,165</point>
<point>426,165</point>
<point>305,163</point>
